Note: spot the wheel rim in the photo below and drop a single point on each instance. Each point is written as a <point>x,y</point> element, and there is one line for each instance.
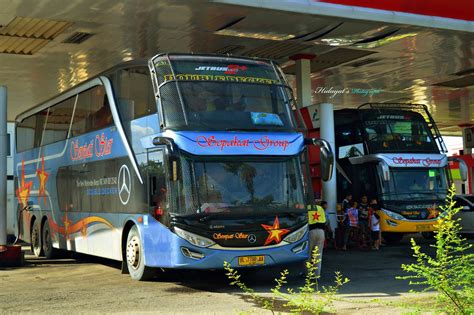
<point>133,252</point>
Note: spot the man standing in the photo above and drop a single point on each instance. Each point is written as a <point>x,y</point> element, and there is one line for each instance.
<point>317,222</point>
<point>346,202</point>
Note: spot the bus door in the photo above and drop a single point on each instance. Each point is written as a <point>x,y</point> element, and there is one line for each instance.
<point>364,181</point>
<point>158,199</point>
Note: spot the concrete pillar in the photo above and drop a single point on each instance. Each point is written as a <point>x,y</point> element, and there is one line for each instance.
<point>303,79</point>
<point>3,166</point>
<point>326,112</point>
<point>466,118</point>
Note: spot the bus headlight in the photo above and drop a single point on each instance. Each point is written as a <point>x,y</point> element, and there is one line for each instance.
<point>393,215</point>
<point>194,239</point>
<point>296,235</point>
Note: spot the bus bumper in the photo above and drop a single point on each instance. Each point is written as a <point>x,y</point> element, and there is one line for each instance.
<point>171,251</point>
<point>389,224</point>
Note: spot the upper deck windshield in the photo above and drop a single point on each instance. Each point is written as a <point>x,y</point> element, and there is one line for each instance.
<point>397,131</point>
<point>222,93</point>
<point>239,187</point>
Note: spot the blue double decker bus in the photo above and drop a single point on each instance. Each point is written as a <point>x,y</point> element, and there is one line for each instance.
<point>184,161</point>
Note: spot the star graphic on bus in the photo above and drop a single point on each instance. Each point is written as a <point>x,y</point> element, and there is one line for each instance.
<point>23,192</point>
<point>274,231</point>
<point>432,212</point>
<point>43,178</point>
<point>67,223</point>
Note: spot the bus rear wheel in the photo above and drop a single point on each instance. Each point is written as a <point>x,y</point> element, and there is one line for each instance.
<point>48,249</point>
<point>36,244</point>
<point>135,257</point>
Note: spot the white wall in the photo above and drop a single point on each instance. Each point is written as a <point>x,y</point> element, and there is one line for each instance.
<point>454,144</point>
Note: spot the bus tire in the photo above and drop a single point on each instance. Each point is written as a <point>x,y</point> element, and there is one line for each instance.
<point>428,235</point>
<point>134,257</point>
<point>36,244</point>
<point>392,238</point>
<point>48,249</point>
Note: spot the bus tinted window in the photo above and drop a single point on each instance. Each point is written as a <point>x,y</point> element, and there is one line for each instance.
<point>92,111</point>
<point>26,134</point>
<point>136,104</point>
<point>58,121</point>
<point>135,93</point>
<point>172,113</point>
<point>93,187</point>
<point>396,130</point>
<point>209,93</point>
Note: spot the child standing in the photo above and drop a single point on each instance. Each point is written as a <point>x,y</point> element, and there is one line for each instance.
<point>375,230</point>
<point>352,222</point>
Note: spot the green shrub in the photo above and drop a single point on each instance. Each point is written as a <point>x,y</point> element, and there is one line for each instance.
<point>451,271</point>
<point>307,299</point>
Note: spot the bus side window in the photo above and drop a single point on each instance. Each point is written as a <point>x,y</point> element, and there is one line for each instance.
<point>58,121</point>
<point>136,104</point>
<point>25,131</point>
<point>92,111</point>
<point>135,93</point>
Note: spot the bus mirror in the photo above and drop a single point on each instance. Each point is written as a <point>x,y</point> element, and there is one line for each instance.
<point>383,166</point>
<point>326,156</point>
<point>462,167</point>
<point>166,141</point>
<point>463,170</point>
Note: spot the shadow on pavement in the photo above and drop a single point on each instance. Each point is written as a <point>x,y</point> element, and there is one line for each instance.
<point>371,273</point>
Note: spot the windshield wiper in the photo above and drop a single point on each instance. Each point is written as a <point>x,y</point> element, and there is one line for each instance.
<point>207,217</point>
<point>291,214</point>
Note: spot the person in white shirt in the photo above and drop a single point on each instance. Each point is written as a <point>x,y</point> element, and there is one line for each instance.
<point>375,230</point>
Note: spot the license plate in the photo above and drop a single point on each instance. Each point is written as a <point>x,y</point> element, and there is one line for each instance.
<point>424,227</point>
<point>251,260</point>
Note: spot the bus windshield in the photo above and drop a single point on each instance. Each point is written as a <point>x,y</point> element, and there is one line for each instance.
<point>244,187</point>
<point>213,93</point>
<point>397,131</point>
<point>416,184</point>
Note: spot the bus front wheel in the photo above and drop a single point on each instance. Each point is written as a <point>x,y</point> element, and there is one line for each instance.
<point>428,235</point>
<point>36,244</point>
<point>392,238</point>
<point>134,256</point>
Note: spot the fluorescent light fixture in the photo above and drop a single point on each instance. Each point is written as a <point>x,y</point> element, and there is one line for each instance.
<point>256,35</point>
<point>384,41</point>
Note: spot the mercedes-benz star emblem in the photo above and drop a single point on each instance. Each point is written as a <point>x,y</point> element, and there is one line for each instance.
<point>252,238</point>
<point>124,184</point>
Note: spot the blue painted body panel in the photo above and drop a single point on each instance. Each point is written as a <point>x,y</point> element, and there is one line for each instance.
<point>100,232</point>
<point>233,143</point>
<point>163,249</point>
